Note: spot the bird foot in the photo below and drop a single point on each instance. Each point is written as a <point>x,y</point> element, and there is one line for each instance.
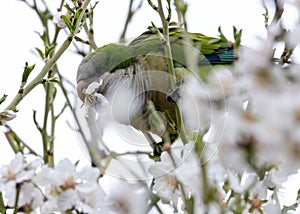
<point>174,94</point>
<point>157,151</point>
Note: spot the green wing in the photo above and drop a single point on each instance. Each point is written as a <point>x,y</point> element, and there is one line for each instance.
<point>211,50</point>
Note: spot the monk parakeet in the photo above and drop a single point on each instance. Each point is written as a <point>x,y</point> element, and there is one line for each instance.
<point>142,66</point>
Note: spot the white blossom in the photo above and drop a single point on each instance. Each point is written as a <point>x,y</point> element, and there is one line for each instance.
<point>67,188</point>
<point>6,115</point>
<point>18,175</point>
<point>128,197</point>
<point>91,199</point>
<point>18,170</point>
<point>179,168</point>
<point>58,20</point>
<point>30,196</point>
<point>94,101</point>
<point>93,87</point>
<point>188,171</point>
<point>166,183</point>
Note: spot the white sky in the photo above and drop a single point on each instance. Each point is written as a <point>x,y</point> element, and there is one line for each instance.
<point>18,40</point>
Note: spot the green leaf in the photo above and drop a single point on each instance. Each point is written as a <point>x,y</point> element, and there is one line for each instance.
<point>153,157</point>
<point>183,8</point>
<point>298,195</point>
<point>43,36</point>
<point>54,92</point>
<point>45,54</point>
<point>153,29</point>
<point>189,206</point>
<point>41,53</point>
<point>266,16</point>
<point>77,14</point>
<point>292,207</point>
<point>26,72</point>
<point>71,11</point>
<point>93,7</point>
<point>3,98</point>
<point>222,36</point>
<point>52,80</point>
<point>76,163</point>
<point>48,50</point>
<point>68,22</point>
<point>173,24</point>
<point>169,119</point>
<point>76,17</point>
<point>237,36</point>
<point>78,39</point>
<point>45,16</point>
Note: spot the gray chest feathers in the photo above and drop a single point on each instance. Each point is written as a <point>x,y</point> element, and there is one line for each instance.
<point>139,88</point>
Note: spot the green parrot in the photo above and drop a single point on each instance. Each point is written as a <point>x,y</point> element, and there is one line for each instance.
<point>142,66</point>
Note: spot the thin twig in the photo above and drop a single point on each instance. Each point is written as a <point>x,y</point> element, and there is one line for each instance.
<point>94,157</point>
<point>37,80</point>
<point>18,189</point>
<point>61,111</point>
<point>286,54</point>
<point>130,14</point>
<point>37,125</point>
<point>11,142</point>
<point>14,135</point>
<point>154,7</point>
<point>49,64</point>
<point>2,205</point>
<point>130,153</point>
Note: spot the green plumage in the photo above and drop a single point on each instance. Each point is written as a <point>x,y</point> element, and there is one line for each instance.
<point>211,51</point>
<point>143,64</point>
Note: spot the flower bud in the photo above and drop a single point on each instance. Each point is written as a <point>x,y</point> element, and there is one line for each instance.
<point>6,115</point>
<point>58,20</point>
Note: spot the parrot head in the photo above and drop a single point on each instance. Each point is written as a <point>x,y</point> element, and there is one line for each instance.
<point>105,59</point>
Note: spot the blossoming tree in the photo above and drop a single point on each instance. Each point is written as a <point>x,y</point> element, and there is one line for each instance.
<point>240,140</point>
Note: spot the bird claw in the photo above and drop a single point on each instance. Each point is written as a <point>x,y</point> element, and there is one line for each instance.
<point>174,94</point>
<point>157,151</point>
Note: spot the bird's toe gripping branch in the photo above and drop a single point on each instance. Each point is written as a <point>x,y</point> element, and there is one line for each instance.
<point>174,94</point>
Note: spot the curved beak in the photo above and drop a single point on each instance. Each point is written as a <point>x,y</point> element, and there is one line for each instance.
<point>80,87</point>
